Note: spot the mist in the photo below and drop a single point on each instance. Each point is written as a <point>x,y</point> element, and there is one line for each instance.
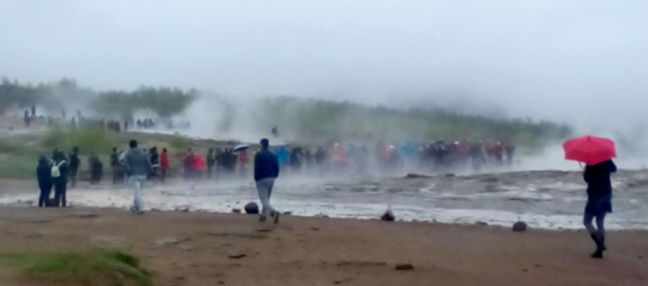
<point>579,62</point>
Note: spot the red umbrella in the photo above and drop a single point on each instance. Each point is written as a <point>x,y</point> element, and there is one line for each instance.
<point>590,150</point>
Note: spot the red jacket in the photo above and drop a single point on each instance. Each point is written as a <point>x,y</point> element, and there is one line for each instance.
<point>164,161</point>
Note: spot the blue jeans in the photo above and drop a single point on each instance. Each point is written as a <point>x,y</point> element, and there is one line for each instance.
<point>599,231</point>
<point>137,183</point>
<point>264,188</point>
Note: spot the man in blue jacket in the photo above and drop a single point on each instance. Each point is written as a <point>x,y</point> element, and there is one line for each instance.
<point>266,170</point>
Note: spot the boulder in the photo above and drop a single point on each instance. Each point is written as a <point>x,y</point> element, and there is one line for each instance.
<point>252,208</point>
<point>520,226</point>
<point>388,216</point>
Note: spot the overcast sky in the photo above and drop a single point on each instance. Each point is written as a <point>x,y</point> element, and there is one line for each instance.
<point>584,62</point>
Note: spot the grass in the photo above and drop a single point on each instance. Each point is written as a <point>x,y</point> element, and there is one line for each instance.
<point>98,267</point>
<point>88,139</point>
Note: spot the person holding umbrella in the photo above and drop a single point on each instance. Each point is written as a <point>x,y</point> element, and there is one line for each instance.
<point>597,153</point>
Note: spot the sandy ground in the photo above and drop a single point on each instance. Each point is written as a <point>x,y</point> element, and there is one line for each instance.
<point>235,249</point>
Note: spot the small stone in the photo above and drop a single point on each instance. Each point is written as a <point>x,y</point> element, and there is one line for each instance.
<point>287,213</point>
<point>236,211</point>
<point>237,256</point>
<point>520,226</point>
<point>482,223</point>
<point>404,267</point>
<point>314,229</point>
<point>337,282</point>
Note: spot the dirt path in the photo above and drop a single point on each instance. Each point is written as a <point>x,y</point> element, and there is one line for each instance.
<point>235,249</point>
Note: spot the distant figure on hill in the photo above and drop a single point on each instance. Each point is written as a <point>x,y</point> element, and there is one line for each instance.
<point>44,175</point>
<point>266,171</point>
<point>137,167</point>
<point>275,132</point>
<point>164,164</point>
<point>59,172</point>
<point>599,202</point>
<point>75,163</point>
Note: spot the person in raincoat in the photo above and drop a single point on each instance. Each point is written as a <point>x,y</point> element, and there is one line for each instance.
<point>44,175</point>
<point>599,202</point>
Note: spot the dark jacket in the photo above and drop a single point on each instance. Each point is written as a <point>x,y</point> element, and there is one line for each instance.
<point>44,172</point>
<point>598,178</point>
<point>75,161</point>
<point>64,168</point>
<point>266,165</point>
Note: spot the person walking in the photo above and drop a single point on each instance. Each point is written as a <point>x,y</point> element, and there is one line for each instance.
<point>59,172</point>
<point>599,202</point>
<point>44,176</point>
<point>137,167</point>
<point>74,164</point>
<point>164,164</point>
<point>266,171</point>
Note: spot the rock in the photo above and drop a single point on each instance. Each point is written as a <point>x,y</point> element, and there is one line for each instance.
<point>252,208</point>
<point>416,176</point>
<point>520,226</point>
<point>450,175</point>
<point>169,240</point>
<point>183,209</point>
<point>404,267</point>
<point>237,256</point>
<point>287,213</point>
<point>388,216</point>
<point>314,229</point>
<point>482,223</point>
<point>87,215</point>
<point>236,211</point>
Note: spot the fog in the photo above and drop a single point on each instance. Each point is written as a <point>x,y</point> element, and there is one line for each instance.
<point>579,62</point>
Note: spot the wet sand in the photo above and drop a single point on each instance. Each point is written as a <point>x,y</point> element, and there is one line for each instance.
<point>183,248</point>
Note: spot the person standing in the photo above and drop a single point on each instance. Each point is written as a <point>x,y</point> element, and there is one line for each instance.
<point>154,157</point>
<point>243,161</point>
<point>137,167</point>
<point>114,165</point>
<point>599,202</point>
<point>211,161</point>
<point>59,172</point>
<point>44,175</point>
<point>164,164</point>
<point>96,168</point>
<point>75,163</point>
<point>266,171</point>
